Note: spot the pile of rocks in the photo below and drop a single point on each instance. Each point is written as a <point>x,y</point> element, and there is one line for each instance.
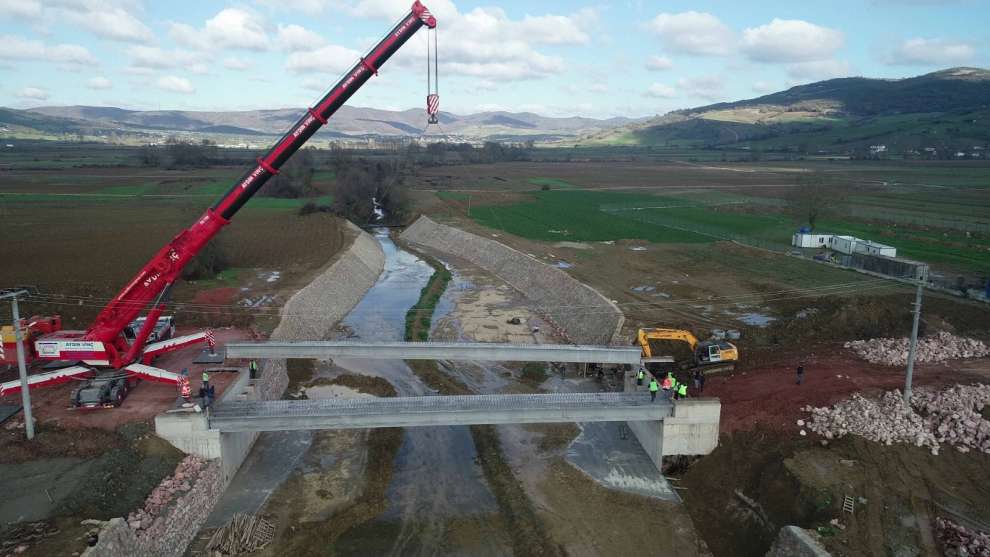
<point>951,416</point>
<point>167,491</point>
<point>894,351</point>
<point>887,420</point>
<point>961,541</point>
<point>954,415</point>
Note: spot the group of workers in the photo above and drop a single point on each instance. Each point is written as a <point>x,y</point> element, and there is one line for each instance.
<point>672,388</point>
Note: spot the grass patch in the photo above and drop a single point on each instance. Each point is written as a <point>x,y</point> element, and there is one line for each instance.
<point>420,316</point>
<point>453,196</point>
<point>551,183</point>
<point>534,373</point>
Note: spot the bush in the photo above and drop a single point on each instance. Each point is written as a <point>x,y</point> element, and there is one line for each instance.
<point>208,263</point>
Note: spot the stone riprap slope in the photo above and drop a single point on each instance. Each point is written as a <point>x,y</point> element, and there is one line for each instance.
<point>584,315</point>
<point>952,416</point>
<point>176,510</point>
<point>312,313</point>
<point>938,348</point>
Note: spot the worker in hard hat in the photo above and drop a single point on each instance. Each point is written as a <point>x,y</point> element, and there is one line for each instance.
<point>681,391</point>
<point>206,379</point>
<point>640,376</point>
<point>668,384</point>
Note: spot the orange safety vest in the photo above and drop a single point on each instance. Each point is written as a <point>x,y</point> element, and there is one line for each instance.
<point>186,388</point>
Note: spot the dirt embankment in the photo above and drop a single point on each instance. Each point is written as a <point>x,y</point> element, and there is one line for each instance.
<point>757,481</point>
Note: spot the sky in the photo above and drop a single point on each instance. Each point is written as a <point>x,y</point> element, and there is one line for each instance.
<point>628,58</point>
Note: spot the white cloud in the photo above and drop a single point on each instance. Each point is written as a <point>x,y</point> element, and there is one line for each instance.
<point>18,48</point>
<point>559,29</point>
<point>693,33</point>
<point>99,82</point>
<point>33,93</point>
<point>107,21</point>
<point>660,91</point>
<point>659,63</point>
<point>598,88</point>
<point>175,84</point>
<point>27,9</point>
<point>229,28</point>
<point>295,38</point>
<point>154,58</point>
<point>309,7</point>
<point>932,52</point>
<point>708,87</point>
<point>790,41</point>
<point>332,59</point>
<point>819,70</point>
<point>764,88</point>
<point>235,63</point>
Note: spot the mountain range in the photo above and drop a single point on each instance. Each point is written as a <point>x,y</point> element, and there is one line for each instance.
<point>347,122</point>
<point>945,110</point>
<point>948,109</point>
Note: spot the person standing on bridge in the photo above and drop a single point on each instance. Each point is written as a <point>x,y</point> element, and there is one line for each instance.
<point>654,387</point>
<point>668,384</point>
<point>640,376</point>
<point>253,369</point>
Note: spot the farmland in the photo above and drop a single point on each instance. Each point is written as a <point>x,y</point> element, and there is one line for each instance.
<point>76,224</point>
<point>931,213</point>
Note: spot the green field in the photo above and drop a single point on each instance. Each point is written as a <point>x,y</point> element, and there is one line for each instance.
<point>571,213</point>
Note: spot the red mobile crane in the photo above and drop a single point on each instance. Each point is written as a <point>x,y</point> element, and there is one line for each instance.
<point>104,343</point>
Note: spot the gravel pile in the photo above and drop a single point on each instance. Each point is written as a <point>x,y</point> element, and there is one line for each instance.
<point>951,416</point>
<point>167,491</point>
<point>894,351</point>
<point>960,541</point>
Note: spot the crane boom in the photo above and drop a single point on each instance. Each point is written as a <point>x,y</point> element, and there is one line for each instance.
<point>103,342</point>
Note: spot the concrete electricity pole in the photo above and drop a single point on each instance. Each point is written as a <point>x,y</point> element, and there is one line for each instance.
<point>914,343</point>
<point>21,365</point>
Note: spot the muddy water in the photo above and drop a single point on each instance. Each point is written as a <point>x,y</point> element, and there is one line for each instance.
<point>436,481</point>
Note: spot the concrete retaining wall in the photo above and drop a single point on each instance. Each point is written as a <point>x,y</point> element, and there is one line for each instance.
<point>310,313</point>
<point>585,316</point>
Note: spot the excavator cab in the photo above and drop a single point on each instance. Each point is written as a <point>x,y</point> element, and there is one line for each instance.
<point>711,355</point>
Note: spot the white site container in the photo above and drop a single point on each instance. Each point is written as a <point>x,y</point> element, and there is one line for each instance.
<point>803,240</point>
<point>873,248</point>
<point>845,244</point>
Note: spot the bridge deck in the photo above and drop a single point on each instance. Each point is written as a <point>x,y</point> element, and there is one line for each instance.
<point>437,351</point>
<point>436,410</point>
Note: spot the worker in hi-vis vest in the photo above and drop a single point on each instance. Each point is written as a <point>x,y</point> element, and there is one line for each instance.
<point>654,387</point>
<point>640,376</point>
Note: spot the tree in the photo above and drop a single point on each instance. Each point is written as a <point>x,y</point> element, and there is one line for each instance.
<point>294,180</point>
<point>814,196</point>
<point>208,263</point>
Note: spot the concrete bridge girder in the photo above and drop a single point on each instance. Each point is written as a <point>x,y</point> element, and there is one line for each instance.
<point>490,352</point>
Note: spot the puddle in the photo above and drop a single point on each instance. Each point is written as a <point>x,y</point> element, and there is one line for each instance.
<point>270,276</point>
<point>563,265</point>
<point>644,288</point>
<point>754,319</point>
<point>638,248</point>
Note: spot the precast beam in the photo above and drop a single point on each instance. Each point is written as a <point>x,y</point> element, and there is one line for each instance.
<point>436,411</point>
<point>489,352</point>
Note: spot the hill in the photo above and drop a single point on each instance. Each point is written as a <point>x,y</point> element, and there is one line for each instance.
<point>946,110</point>
<point>233,126</point>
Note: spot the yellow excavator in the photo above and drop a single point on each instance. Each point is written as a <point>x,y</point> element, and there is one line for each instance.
<point>711,356</point>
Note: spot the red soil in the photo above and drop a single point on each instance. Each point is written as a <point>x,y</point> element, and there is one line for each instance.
<point>146,399</point>
<point>765,392</point>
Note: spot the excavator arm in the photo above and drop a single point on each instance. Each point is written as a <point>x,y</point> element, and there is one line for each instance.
<point>645,335</point>
<point>103,343</point>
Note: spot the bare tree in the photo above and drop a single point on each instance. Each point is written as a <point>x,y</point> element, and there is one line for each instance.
<point>816,195</point>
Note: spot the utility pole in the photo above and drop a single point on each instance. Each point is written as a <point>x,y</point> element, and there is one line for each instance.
<point>21,365</point>
<point>914,343</point>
